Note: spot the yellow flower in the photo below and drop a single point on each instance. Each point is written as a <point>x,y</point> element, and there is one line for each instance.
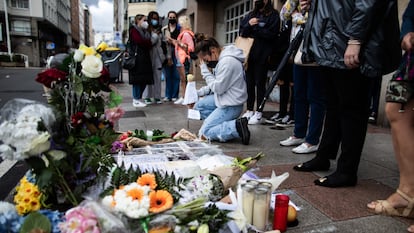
<point>101,47</point>
<point>147,179</point>
<point>87,50</point>
<point>27,198</point>
<point>160,200</point>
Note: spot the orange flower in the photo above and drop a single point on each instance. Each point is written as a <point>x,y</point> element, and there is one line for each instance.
<point>164,229</point>
<point>147,179</point>
<point>160,200</point>
<point>136,194</point>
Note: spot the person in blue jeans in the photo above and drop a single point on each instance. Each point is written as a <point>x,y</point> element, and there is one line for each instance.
<point>172,78</point>
<point>223,71</point>
<point>310,107</point>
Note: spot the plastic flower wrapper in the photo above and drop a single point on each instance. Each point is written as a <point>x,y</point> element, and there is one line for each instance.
<point>24,125</point>
<point>206,186</point>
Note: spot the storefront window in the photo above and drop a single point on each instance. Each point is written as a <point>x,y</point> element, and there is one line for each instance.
<point>233,16</point>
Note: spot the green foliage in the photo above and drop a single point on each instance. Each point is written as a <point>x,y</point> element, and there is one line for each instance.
<point>36,221</point>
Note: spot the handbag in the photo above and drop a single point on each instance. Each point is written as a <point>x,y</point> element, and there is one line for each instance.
<point>129,60</point>
<point>400,88</point>
<point>245,44</point>
<point>297,60</point>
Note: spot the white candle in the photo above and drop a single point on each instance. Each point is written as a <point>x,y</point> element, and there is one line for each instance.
<point>248,199</point>
<point>260,208</point>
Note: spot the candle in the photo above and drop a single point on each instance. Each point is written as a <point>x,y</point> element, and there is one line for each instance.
<point>248,199</point>
<point>280,214</point>
<point>260,208</point>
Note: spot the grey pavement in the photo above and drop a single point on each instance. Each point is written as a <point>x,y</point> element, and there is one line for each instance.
<point>322,209</point>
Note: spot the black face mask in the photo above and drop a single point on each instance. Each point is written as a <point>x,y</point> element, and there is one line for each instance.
<point>259,4</point>
<point>212,64</point>
<point>172,21</point>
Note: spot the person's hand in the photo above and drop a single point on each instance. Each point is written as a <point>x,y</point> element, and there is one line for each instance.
<point>407,42</point>
<point>351,57</point>
<point>253,21</point>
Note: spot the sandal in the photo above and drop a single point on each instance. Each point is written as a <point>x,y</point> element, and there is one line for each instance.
<point>385,208</point>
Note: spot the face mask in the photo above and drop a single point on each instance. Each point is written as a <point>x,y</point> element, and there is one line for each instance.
<point>259,4</point>
<point>212,64</point>
<point>144,25</point>
<point>172,21</point>
<point>154,22</point>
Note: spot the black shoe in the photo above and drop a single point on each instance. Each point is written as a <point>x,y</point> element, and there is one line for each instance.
<point>243,130</point>
<point>372,119</point>
<point>315,164</point>
<point>336,180</point>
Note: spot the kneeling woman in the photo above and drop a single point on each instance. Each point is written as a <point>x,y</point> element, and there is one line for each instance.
<point>222,69</point>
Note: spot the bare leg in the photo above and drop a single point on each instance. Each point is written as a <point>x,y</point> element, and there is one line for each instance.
<point>402,130</point>
<point>183,84</point>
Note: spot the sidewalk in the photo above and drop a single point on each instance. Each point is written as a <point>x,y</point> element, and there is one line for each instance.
<point>322,209</point>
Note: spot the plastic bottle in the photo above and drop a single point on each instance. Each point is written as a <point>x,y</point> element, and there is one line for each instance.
<point>280,214</point>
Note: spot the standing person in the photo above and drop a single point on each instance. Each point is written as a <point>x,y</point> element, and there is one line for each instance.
<point>184,44</point>
<point>309,92</point>
<point>172,78</point>
<point>141,75</point>
<point>352,40</point>
<point>153,92</point>
<point>222,69</point>
<point>402,130</point>
<point>261,24</point>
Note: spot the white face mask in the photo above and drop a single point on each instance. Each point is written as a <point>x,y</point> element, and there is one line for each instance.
<point>144,25</point>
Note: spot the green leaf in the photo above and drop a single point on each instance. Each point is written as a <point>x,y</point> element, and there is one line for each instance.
<point>78,86</point>
<point>115,99</point>
<point>34,221</point>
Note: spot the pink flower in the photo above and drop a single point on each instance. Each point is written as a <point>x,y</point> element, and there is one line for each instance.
<point>80,219</point>
<point>114,114</point>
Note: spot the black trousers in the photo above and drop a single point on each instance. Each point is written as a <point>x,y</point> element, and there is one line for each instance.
<point>256,76</point>
<point>346,118</point>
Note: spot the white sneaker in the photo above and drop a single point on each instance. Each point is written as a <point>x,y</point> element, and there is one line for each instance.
<point>248,114</point>
<point>292,141</point>
<point>305,148</point>
<point>179,101</point>
<point>255,119</point>
<point>138,104</point>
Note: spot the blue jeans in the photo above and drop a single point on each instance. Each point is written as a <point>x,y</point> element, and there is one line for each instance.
<point>172,80</point>
<point>310,94</point>
<point>137,90</point>
<point>219,123</point>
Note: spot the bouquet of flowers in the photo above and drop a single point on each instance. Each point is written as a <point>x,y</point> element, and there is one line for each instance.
<point>66,144</point>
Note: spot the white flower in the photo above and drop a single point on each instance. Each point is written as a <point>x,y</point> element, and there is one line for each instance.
<point>92,66</point>
<point>78,55</point>
<point>124,201</point>
<point>39,144</point>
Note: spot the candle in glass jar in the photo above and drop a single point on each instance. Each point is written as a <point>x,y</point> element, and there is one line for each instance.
<point>248,199</point>
<point>260,208</point>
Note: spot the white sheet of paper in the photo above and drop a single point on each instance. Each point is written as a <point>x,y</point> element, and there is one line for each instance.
<point>193,114</point>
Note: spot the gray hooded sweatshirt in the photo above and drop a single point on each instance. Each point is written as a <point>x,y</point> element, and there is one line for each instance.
<point>227,82</point>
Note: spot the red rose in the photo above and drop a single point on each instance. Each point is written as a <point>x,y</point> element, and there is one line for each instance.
<point>77,119</point>
<point>51,75</point>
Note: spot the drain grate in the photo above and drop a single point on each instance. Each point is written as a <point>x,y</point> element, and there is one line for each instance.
<point>136,113</point>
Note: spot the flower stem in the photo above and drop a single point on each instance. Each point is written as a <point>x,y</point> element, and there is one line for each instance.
<point>64,185</point>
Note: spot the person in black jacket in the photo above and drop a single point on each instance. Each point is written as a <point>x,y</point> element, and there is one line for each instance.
<point>141,75</point>
<point>352,41</point>
<point>401,202</point>
<point>262,24</point>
